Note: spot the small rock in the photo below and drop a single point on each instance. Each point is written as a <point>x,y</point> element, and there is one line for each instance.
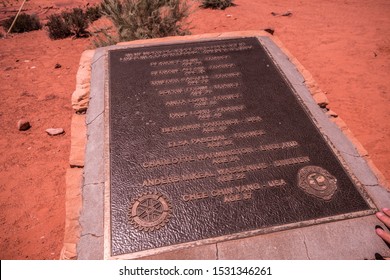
<point>270,30</point>
<point>57,66</point>
<point>286,14</point>
<point>8,68</point>
<point>332,114</point>
<point>55,131</point>
<point>23,125</point>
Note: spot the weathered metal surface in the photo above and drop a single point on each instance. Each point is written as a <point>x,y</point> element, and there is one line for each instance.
<point>208,139</point>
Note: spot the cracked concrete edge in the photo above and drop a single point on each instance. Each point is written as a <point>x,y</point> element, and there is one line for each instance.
<point>96,102</point>
<point>341,240</point>
<point>90,245</point>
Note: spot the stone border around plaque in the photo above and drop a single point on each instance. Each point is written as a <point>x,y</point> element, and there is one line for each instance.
<point>296,240</point>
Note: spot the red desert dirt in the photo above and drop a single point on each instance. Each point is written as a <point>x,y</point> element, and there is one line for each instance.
<point>345,45</point>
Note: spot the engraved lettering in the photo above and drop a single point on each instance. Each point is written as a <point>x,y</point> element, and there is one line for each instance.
<point>226,85</point>
<point>195,196</point>
<point>164,72</point>
<point>168,161</point>
<point>214,58</point>
<point>207,139</point>
<point>194,70</point>
<point>231,177</point>
<point>248,134</point>
<point>283,145</point>
<point>253,119</point>
<point>222,66</point>
<point>220,143</point>
<point>241,169</point>
<point>231,109</point>
<point>173,144</point>
<point>197,175</point>
<point>291,161</point>
<point>227,75</point>
<point>142,55</point>
<point>170,91</point>
<point>225,159</point>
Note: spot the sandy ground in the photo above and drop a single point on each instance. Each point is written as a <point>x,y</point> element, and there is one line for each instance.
<point>345,45</point>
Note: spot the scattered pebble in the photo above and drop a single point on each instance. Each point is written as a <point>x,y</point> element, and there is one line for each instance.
<point>57,66</point>
<point>8,68</point>
<point>332,114</point>
<point>23,125</point>
<point>270,30</point>
<point>55,131</point>
<point>286,14</point>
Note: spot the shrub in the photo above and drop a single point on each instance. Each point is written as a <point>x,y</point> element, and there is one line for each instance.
<point>77,22</point>
<point>217,4</point>
<point>145,19</point>
<point>58,28</point>
<point>24,23</point>
<point>74,23</point>
<point>93,13</point>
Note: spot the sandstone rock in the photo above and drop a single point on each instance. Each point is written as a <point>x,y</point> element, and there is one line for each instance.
<point>83,75</point>
<point>68,252</point>
<point>80,99</point>
<point>86,57</point>
<point>23,125</point>
<point>332,114</point>
<point>321,99</point>
<point>55,131</point>
<point>77,141</point>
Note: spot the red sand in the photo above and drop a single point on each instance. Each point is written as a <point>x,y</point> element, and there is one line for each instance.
<point>345,45</point>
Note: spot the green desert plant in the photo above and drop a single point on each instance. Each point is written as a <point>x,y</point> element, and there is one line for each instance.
<point>24,23</point>
<point>57,27</point>
<point>77,22</point>
<point>145,19</point>
<point>73,23</point>
<point>93,13</point>
<point>217,4</point>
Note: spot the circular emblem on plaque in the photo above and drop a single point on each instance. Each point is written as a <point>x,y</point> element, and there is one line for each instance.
<point>317,181</point>
<point>150,212</point>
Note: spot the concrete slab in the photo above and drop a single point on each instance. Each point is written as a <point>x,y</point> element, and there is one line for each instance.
<point>352,238</point>
<point>206,252</point>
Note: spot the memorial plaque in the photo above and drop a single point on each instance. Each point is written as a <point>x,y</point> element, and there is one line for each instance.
<point>208,139</point>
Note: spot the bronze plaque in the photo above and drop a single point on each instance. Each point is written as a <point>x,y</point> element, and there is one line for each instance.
<point>208,139</point>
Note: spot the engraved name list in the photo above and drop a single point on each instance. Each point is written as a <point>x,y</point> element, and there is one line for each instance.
<point>207,139</point>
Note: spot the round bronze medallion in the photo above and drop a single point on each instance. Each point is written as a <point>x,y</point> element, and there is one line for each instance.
<point>150,212</point>
<point>317,181</point>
